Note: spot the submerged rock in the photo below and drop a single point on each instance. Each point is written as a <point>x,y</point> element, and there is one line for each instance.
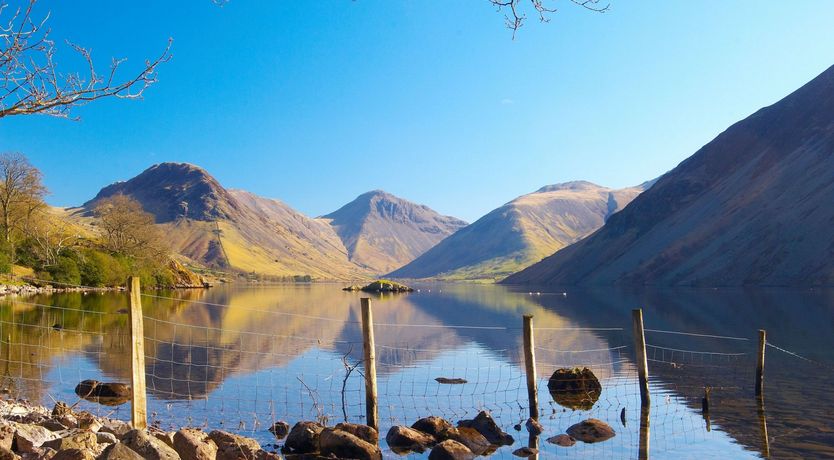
<point>363,432</point>
<point>450,381</point>
<point>304,437</point>
<point>591,431</point>
<point>525,452</point>
<point>562,440</point>
<point>576,388</point>
<point>451,450</point>
<point>105,393</point>
<point>341,444</point>
<point>402,439</point>
<point>486,425</point>
<point>433,426</point>
<point>280,429</point>
<point>534,427</point>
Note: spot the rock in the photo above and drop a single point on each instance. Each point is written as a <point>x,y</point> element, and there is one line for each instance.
<point>84,440</point>
<point>450,381</point>
<point>304,437</point>
<point>402,439</point>
<point>106,393</point>
<point>451,450</point>
<point>525,452</point>
<point>52,424</point>
<point>534,427</point>
<point>119,451</point>
<point>6,436</point>
<point>574,388</point>
<point>433,426</point>
<point>193,444</point>
<point>342,444</point>
<point>591,431</point>
<point>7,454</point>
<point>363,432</point>
<point>74,454</point>
<point>164,436</point>
<point>27,438</point>
<point>60,409</point>
<point>148,446</point>
<point>116,427</point>
<point>471,438</point>
<point>562,440</point>
<point>486,425</point>
<point>233,447</point>
<point>106,438</point>
<point>280,429</point>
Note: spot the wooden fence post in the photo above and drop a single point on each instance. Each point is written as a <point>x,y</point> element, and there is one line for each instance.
<point>760,363</point>
<point>640,351</point>
<point>370,364</point>
<point>139,408</point>
<point>530,367</point>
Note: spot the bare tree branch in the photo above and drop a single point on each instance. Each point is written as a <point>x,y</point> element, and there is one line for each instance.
<point>515,17</point>
<point>31,83</point>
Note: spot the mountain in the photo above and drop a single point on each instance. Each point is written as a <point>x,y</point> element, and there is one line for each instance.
<point>752,207</point>
<point>383,232</point>
<point>521,232</point>
<point>233,229</point>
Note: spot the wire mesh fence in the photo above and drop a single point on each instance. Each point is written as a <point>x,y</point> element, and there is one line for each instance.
<point>217,366</point>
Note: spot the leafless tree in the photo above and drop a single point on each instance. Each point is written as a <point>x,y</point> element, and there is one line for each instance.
<point>128,229</point>
<point>21,192</point>
<point>515,15</point>
<point>51,235</point>
<point>30,82</point>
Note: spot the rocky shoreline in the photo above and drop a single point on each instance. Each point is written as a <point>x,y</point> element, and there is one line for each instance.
<point>29,431</point>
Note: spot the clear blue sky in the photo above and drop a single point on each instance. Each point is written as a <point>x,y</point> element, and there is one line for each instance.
<point>316,102</point>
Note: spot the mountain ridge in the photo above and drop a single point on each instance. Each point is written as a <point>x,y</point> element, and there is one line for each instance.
<point>728,215</point>
<point>521,232</point>
<point>383,232</point>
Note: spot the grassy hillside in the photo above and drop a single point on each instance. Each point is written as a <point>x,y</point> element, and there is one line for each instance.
<point>520,233</point>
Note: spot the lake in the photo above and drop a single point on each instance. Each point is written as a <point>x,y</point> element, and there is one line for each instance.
<point>239,357</point>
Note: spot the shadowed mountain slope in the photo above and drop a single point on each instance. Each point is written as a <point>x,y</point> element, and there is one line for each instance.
<point>521,232</point>
<point>383,232</point>
<point>752,207</point>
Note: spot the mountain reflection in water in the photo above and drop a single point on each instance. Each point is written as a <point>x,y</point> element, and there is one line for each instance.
<point>240,357</point>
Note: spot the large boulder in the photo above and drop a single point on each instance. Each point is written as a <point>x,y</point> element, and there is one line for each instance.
<point>433,425</point>
<point>148,446</point>
<point>402,439</point>
<point>7,454</point>
<point>576,388</point>
<point>341,444</point>
<point>194,444</point>
<point>303,438</point>
<point>591,431</point>
<point>486,425</point>
<point>451,450</point>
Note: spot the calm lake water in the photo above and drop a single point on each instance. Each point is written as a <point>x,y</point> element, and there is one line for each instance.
<point>241,357</point>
